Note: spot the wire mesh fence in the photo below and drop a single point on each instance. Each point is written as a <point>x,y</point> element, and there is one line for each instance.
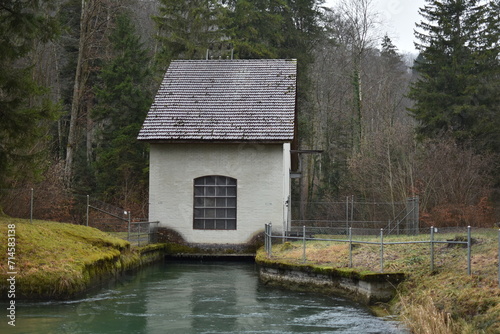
<point>363,216</point>
<point>61,206</point>
<point>377,252</point>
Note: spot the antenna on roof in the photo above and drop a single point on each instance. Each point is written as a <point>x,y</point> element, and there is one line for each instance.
<point>220,51</point>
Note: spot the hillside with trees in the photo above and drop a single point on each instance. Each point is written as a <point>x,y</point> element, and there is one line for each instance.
<point>77,78</point>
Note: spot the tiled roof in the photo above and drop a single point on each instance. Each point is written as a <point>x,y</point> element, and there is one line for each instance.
<point>224,100</point>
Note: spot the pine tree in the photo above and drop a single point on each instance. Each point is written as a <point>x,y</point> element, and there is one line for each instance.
<point>457,67</point>
<point>24,111</point>
<point>123,98</point>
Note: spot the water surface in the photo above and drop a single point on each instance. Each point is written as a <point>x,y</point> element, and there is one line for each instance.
<point>188,298</point>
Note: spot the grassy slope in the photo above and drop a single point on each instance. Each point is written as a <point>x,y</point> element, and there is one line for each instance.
<point>54,259</point>
<point>444,301</point>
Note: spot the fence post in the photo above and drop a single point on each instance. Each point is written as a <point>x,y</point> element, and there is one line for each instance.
<point>432,249</point>
<point>304,244</point>
<point>347,211</point>
<point>88,204</point>
<point>31,206</point>
<point>270,227</point>
<point>381,250</point>
<point>139,234</point>
<point>350,247</point>
<point>468,251</point>
<point>352,208</point>
<point>128,235</point>
<point>265,239</point>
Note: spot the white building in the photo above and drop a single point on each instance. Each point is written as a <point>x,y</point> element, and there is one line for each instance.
<point>220,133</point>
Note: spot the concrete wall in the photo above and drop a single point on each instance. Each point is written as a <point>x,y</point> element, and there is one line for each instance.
<point>262,173</point>
<point>373,289</point>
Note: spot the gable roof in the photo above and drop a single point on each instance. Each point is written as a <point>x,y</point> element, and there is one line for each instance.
<point>224,100</point>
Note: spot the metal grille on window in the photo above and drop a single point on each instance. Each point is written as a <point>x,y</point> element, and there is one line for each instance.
<point>215,203</point>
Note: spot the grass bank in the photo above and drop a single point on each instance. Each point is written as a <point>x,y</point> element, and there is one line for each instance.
<point>446,300</point>
<point>59,261</point>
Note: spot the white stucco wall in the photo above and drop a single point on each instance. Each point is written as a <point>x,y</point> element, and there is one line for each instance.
<point>262,173</point>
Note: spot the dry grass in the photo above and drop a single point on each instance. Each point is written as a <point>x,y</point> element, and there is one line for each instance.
<point>444,301</point>
<point>425,318</point>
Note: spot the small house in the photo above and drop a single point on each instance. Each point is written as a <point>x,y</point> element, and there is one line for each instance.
<point>220,134</point>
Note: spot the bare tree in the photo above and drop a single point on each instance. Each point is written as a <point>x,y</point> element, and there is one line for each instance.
<point>361,20</point>
<point>95,21</point>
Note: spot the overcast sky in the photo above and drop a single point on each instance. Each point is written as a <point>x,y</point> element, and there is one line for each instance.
<point>398,19</point>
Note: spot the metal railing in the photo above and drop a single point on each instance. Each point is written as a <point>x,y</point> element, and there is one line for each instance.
<point>143,233</point>
<point>269,236</point>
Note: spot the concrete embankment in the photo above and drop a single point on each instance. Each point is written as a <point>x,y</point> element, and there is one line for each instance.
<point>367,287</point>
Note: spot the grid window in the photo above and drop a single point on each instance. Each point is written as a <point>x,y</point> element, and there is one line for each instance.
<point>214,203</point>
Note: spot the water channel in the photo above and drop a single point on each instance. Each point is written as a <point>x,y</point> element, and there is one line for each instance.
<point>185,298</point>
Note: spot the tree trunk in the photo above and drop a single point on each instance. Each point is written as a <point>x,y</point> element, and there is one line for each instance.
<point>76,99</point>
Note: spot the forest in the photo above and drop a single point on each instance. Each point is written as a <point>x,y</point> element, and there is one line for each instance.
<point>77,78</point>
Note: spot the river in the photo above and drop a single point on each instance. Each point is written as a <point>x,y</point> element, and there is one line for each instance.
<point>184,298</point>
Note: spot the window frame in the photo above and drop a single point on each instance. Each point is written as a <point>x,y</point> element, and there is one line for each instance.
<point>215,203</point>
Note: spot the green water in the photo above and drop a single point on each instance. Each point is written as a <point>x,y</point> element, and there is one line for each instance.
<point>196,298</point>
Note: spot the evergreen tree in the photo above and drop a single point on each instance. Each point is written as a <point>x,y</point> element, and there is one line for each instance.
<point>389,50</point>
<point>187,28</point>
<point>123,98</point>
<point>457,67</point>
<point>255,27</point>
<point>23,110</point>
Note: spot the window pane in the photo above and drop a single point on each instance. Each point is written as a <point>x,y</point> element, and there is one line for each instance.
<point>198,202</point>
<point>198,224</point>
<point>231,191</point>
<point>231,213</point>
<point>231,224</point>
<point>220,224</point>
<point>209,224</point>
<point>198,213</point>
<point>209,202</point>
<point>199,181</point>
<point>209,213</point>
<point>210,180</point>
<point>220,191</point>
<point>231,202</point>
<point>210,191</point>
<point>221,213</point>
<point>231,181</point>
<point>220,202</point>
<point>199,191</point>
<point>221,180</point>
